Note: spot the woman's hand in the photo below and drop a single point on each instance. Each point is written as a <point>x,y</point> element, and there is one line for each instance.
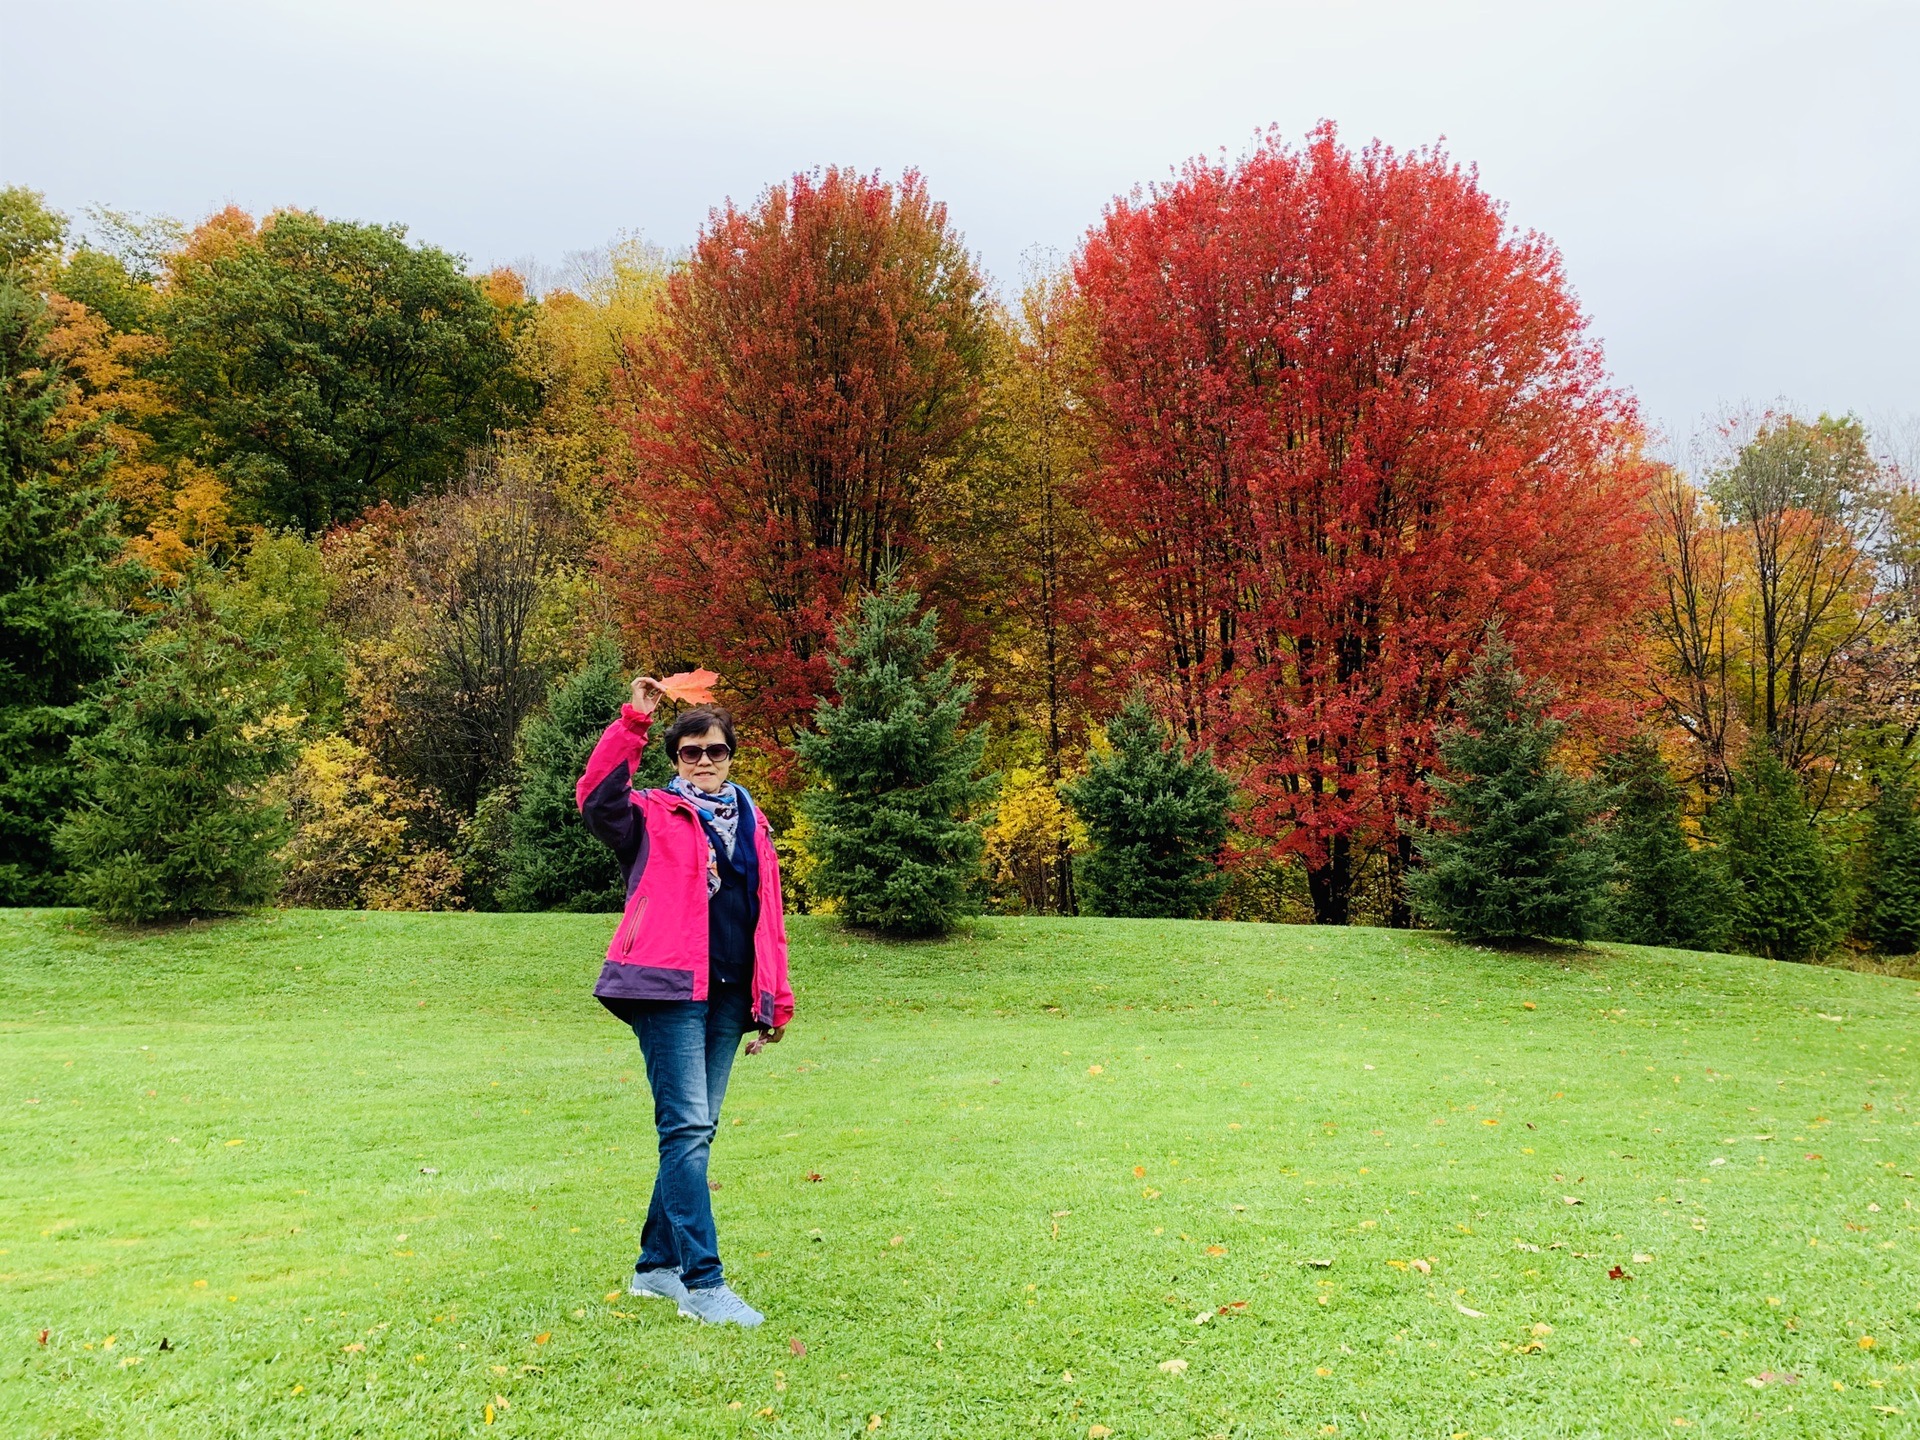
<point>646,694</point>
<point>765,1038</point>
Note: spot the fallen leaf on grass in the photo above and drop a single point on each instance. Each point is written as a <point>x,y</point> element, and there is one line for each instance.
<point>1616,1273</point>
<point>1231,1306</point>
<point>1139,1172</point>
<point>1523,1245</point>
<point>1866,1342</point>
<point>1769,1377</point>
<point>1889,1409</point>
<point>488,1414</point>
<point>1570,1200</point>
<point>797,1346</point>
<point>543,1337</point>
<point>1422,1266</point>
<point>1643,1259</point>
<point>689,687</point>
<point>1216,1249</point>
<point>815,1176</point>
<point>1317,1264</point>
<point>1098,1432</point>
<point>874,1422</point>
<point>1173,1367</point>
<point>1470,1314</point>
<point>349,1349</point>
<point>43,1336</point>
<point>612,1295</point>
<point>1203,1317</point>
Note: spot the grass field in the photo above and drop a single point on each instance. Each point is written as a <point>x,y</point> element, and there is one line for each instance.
<point>378,1175</point>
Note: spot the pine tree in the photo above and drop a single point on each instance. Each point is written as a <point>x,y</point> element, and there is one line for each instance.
<point>1890,906</point>
<point>1517,853</point>
<point>554,863</point>
<point>173,820</point>
<point>894,826</point>
<point>1666,892</point>
<point>1156,819</point>
<point>1786,888</point>
<point>61,628</point>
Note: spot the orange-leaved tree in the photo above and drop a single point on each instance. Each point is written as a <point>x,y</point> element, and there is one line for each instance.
<point>1348,415</point>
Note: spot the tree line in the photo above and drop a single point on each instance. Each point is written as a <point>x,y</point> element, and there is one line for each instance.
<point>1285,552</point>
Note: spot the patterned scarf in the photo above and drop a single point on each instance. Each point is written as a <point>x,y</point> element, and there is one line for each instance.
<point>722,812</point>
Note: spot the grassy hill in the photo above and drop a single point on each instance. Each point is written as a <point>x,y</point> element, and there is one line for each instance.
<point>383,1175</point>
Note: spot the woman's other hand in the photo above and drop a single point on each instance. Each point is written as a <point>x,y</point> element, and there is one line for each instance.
<point>646,694</point>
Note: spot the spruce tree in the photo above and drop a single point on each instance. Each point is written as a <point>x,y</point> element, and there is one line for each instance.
<point>1156,819</point>
<point>61,625</point>
<point>895,833</point>
<point>1666,892</point>
<point>1786,888</point>
<point>174,819</point>
<point>1890,902</point>
<point>1516,853</point>
<point>554,864</point>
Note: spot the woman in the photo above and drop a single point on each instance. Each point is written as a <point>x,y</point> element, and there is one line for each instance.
<point>700,959</point>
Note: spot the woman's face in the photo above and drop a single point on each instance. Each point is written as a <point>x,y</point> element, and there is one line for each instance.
<point>703,772</point>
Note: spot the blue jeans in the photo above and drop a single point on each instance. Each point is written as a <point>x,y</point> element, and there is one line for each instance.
<point>689,1047</point>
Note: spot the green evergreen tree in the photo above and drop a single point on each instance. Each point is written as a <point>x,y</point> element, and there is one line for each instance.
<point>1156,819</point>
<point>1666,892</point>
<point>554,864</point>
<point>1890,902</point>
<point>1517,853</point>
<point>1786,888</point>
<point>895,831</point>
<point>62,627</point>
<point>173,819</point>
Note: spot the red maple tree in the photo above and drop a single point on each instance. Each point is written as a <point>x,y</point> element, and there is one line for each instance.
<point>819,357</point>
<point>1347,415</point>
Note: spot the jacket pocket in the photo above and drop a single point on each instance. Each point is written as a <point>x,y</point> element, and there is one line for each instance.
<point>630,927</point>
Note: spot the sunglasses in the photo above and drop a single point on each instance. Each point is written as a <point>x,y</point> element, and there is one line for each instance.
<point>692,754</point>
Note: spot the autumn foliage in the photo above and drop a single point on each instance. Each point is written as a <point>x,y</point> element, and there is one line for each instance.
<point>1347,416</point>
<point>819,358</point>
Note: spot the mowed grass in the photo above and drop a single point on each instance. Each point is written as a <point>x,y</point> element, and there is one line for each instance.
<point>382,1175</point>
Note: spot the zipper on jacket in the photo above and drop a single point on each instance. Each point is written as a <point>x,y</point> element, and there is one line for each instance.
<point>633,925</point>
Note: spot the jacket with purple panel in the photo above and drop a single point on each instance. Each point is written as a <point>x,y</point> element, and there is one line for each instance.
<point>660,950</point>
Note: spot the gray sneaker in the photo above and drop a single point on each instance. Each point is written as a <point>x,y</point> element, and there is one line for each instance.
<point>718,1306</point>
<point>662,1284</point>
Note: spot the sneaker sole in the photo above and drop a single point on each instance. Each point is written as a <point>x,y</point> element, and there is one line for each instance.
<point>689,1315</point>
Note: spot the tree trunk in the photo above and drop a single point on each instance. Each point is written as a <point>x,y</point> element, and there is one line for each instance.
<point>1331,883</point>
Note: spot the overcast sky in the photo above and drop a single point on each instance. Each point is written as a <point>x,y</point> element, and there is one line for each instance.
<point>1736,187</point>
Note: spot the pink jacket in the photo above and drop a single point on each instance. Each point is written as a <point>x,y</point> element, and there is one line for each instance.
<point>659,952</point>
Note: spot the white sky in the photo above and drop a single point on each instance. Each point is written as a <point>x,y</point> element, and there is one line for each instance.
<point>1736,186</point>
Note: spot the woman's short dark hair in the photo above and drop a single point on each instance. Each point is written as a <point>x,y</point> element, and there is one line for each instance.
<point>698,721</point>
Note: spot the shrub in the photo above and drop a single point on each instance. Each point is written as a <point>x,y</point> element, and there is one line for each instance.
<point>1030,845</point>
<point>1156,820</point>
<point>355,844</point>
<point>1516,853</point>
<point>892,815</point>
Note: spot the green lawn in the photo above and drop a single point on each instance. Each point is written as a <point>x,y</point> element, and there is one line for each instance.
<point>374,1174</point>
